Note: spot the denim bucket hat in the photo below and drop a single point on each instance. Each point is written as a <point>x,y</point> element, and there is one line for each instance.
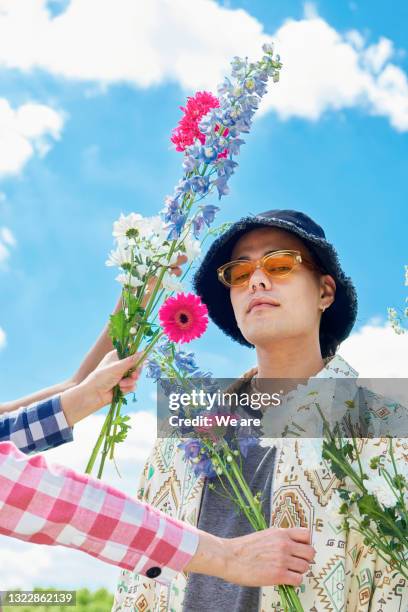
<point>337,321</point>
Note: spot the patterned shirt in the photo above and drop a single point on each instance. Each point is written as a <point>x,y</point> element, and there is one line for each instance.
<point>50,504</point>
<point>37,427</point>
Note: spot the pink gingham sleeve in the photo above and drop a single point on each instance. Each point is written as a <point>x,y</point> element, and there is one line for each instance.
<point>51,504</point>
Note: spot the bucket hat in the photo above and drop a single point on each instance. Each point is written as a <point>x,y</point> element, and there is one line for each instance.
<point>337,321</point>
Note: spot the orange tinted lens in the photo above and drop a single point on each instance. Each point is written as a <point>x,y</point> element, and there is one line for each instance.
<point>279,265</point>
<point>238,273</point>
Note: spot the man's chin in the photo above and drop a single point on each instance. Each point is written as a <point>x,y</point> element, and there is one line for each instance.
<point>259,335</point>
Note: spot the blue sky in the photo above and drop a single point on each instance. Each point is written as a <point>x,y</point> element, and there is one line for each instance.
<point>95,143</point>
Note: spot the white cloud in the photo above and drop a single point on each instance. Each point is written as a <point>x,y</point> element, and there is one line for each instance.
<point>3,338</point>
<point>151,42</point>
<point>7,236</point>
<point>130,455</point>
<point>7,240</point>
<point>376,351</point>
<point>324,70</point>
<point>20,567</point>
<point>29,129</point>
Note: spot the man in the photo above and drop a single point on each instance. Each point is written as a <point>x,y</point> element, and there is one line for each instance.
<point>272,282</point>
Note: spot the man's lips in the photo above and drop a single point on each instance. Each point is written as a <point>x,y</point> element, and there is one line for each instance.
<point>258,302</point>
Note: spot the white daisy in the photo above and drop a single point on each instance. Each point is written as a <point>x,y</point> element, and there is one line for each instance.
<point>119,256</point>
<point>171,284</point>
<point>121,227</point>
<point>126,279</point>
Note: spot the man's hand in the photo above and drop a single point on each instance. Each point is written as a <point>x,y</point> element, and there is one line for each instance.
<point>265,558</point>
<point>97,389</point>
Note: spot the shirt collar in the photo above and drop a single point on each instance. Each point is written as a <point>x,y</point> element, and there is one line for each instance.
<point>336,367</point>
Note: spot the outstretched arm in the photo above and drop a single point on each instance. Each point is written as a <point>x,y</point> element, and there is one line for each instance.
<point>54,505</point>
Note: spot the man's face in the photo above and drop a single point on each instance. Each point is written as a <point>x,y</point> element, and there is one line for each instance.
<point>298,295</point>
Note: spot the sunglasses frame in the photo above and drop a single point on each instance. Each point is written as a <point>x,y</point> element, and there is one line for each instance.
<point>259,263</point>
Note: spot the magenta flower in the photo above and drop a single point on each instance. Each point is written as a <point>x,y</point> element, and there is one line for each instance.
<point>187,130</point>
<point>183,317</point>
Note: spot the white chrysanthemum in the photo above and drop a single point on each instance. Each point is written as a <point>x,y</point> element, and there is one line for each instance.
<point>119,256</point>
<point>121,227</point>
<point>127,279</point>
<point>156,226</point>
<point>193,248</point>
<point>172,284</point>
<point>141,269</point>
<point>380,489</point>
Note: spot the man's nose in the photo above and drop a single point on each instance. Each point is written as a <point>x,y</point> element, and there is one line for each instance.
<point>259,279</point>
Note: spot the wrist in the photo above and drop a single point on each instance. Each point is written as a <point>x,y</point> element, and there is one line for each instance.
<point>213,556</point>
<point>78,402</point>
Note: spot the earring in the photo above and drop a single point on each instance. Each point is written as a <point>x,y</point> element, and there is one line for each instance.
<point>322,308</point>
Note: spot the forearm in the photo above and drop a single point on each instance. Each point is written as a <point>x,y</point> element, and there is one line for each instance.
<point>66,508</point>
<point>92,359</point>
<point>37,396</point>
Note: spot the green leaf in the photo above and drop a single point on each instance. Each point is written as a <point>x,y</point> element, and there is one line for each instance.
<point>117,326</point>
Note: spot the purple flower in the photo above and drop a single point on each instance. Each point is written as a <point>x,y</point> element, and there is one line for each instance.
<point>222,187</point>
<point>176,226</point>
<point>246,443</point>
<point>198,223</point>
<point>208,213</point>
<point>192,448</point>
<point>204,468</point>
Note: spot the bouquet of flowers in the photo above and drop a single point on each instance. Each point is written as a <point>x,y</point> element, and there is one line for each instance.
<point>209,135</point>
<point>373,498</point>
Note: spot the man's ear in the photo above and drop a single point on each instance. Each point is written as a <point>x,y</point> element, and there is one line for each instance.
<point>327,290</point>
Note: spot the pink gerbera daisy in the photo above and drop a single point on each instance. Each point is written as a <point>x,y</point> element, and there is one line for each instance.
<point>183,317</point>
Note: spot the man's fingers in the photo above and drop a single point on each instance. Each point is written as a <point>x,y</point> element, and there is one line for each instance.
<point>299,534</point>
<point>298,565</point>
<point>303,551</point>
<point>293,578</point>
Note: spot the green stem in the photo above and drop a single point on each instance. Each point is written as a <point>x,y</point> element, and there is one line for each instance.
<point>115,427</point>
<point>111,414</point>
<point>95,451</point>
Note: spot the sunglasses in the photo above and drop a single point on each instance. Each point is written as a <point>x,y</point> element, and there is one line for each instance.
<point>277,264</point>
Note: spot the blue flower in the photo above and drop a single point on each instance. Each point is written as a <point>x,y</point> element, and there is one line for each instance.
<point>176,226</point>
<point>208,213</point>
<point>208,153</point>
<point>185,361</point>
<point>205,468</point>
<point>200,184</point>
<point>198,224</point>
<point>192,448</point>
<point>153,369</point>
<point>222,187</point>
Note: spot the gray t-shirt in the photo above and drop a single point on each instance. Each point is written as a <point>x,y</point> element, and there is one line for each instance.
<point>221,517</point>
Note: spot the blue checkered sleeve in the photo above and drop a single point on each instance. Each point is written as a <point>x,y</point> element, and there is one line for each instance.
<point>37,427</point>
